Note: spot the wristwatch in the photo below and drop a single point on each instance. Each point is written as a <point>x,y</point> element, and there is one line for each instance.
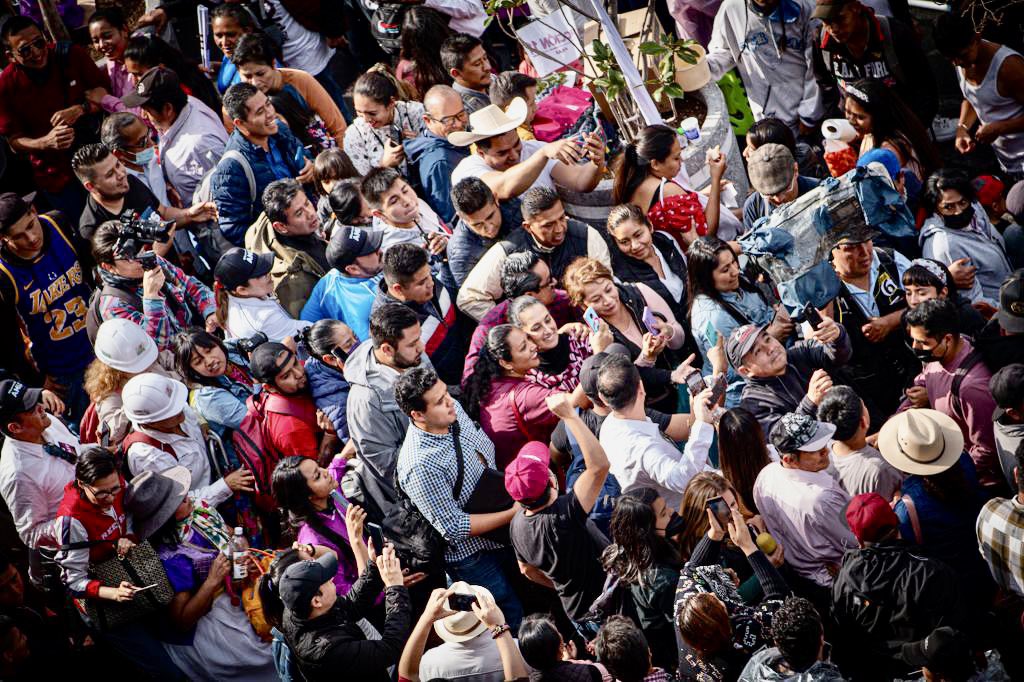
<point>498,630</point>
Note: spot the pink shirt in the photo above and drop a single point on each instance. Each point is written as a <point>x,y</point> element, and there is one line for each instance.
<point>498,419</point>
<point>978,406</point>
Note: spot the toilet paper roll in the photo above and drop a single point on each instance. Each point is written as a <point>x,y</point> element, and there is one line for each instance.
<point>838,129</point>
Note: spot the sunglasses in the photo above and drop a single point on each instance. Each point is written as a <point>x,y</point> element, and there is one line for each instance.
<point>28,48</point>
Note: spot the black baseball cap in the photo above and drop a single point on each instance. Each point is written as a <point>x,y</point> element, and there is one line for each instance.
<point>301,581</point>
<point>349,242</point>
<point>237,266</point>
<point>1011,303</point>
<point>157,83</point>
<point>17,398</point>
<point>13,208</point>
<point>945,651</point>
<point>829,9</point>
<point>266,361</point>
<point>591,368</point>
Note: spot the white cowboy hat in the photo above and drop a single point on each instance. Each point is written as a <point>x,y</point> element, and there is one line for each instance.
<point>921,441</point>
<point>461,626</point>
<point>490,121</point>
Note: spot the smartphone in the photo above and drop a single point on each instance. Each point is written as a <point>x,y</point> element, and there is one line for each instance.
<point>395,133</point>
<point>812,316</point>
<point>720,508</point>
<point>591,318</point>
<point>376,535</point>
<point>650,321</point>
<point>339,501</point>
<point>147,587</point>
<point>695,382</point>
<point>718,389</point>
<point>711,333</point>
<point>462,602</point>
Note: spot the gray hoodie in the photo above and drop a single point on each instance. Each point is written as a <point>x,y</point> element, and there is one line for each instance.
<point>375,423</point>
<point>979,242</point>
<point>768,665</point>
<point>1008,438</point>
<point>774,57</point>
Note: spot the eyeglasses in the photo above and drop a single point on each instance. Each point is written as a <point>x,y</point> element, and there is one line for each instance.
<point>109,492</point>
<point>37,44</point>
<point>460,117</point>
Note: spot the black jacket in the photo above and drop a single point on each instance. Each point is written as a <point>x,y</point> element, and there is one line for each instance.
<point>325,646</point>
<point>770,398</point>
<point>887,594</point>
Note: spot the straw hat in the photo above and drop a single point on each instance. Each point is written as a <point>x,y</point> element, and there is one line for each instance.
<point>461,626</point>
<point>490,121</point>
<point>921,441</point>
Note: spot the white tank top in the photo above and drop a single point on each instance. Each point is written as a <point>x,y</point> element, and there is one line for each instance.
<point>992,106</point>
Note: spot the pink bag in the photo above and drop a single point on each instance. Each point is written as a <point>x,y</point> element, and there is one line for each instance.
<point>559,112</point>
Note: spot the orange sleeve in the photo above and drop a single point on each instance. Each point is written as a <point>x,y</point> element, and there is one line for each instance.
<point>319,101</point>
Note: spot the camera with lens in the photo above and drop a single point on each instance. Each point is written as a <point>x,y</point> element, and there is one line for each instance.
<point>134,232</point>
<point>249,345</point>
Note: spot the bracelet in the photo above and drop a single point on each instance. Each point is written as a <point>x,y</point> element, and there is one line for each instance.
<point>498,630</point>
<point>965,127</point>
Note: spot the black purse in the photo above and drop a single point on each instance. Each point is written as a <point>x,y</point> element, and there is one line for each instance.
<point>489,495</point>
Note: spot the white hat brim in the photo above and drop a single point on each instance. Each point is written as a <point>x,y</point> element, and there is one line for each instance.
<point>953,443</point>
<point>488,123</point>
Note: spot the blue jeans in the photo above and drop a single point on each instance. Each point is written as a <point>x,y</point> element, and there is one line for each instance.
<point>282,656</point>
<point>76,400</point>
<point>488,569</point>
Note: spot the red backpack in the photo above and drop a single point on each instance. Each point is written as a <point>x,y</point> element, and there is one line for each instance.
<point>89,427</point>
<point>254,445</point>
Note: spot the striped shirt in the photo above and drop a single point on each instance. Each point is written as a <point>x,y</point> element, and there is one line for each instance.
<point>1001,539</point>
<point>427,469</point>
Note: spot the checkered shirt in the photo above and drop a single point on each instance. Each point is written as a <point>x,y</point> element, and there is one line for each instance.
<point>1001,539</point>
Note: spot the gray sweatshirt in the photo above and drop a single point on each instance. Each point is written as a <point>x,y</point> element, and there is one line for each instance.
<point>773,57</point>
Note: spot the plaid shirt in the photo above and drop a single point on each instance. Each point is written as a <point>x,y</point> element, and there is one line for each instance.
<point>426,471</point>
<point>156,317</point>
<point>1001,537</point>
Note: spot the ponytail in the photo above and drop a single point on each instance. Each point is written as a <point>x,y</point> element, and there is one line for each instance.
<point>654,143</point>
<point>223,299</point>
<point>486,369</point>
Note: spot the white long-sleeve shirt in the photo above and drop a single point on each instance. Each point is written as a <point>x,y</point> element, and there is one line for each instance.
<point>32,482</point>
<point>641,456</point>
<point>190,451</point>
<point>465,16</point>
<point>246,316</point>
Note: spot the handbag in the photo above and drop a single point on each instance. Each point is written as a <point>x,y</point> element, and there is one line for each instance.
<point>141,567</point>
<point>489,495</point>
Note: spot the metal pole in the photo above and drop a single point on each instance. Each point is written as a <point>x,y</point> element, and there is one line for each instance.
<point>634,81</point>
<point>52,21</point>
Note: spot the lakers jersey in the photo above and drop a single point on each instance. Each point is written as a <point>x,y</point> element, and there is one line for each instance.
<point>51,297</point>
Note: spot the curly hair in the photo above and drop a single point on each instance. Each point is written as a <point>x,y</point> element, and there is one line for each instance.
<point>580,273</point>
<point>102,380</point>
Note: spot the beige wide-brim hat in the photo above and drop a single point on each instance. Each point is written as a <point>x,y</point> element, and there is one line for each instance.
<point>921,441</point>
<point>490,121</point>
<point>461,626</point>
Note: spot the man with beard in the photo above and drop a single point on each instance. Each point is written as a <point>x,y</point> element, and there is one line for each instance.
<point>113,192</point>
<point>290,422</point>
<point>377,425</point>
<point>44,108</point>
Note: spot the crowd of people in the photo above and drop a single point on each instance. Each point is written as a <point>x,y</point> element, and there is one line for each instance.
<point>312,370</point>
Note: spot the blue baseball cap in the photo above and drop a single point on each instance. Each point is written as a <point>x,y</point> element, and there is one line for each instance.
<point>886,157</point>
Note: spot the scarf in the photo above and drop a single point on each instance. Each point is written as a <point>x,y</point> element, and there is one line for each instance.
<point>208,523</point>
<point>119,282</point>
<point>570,357</point>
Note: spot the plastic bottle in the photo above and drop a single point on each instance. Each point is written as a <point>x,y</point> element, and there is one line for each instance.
<point>239,553</point>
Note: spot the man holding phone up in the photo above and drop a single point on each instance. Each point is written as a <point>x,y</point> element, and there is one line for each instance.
<point>781,380</point>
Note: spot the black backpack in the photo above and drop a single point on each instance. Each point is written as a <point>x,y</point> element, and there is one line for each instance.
<point>386,24</point>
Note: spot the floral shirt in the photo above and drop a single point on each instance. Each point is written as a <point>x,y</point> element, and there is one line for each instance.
<point>365,145</point>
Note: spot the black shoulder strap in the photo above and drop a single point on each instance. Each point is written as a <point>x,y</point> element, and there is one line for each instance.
<point>973,358</point>
<point>456,434</point>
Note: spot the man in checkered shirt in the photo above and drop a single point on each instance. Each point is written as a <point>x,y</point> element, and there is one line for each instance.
<point>1001,534</point>
<point>427,470</point>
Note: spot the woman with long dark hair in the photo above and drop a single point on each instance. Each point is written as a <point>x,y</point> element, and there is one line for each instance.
<point>511,410</point>
<point>883,120</point>
<point>217,374</point>
<point>382,123</point>
<point>644,177</point>
<point>321,515</point>
<point>743,452</point>
<point>721,300</point>
<point>329,342</point>
<point>549,655</point>
<point>643,254</point>
<point>423,31</point>
<point>562,350</point>
<point>148,52</point>
<point>643,557</point>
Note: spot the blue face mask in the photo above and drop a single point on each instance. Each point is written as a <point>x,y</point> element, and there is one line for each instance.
<point>144,157</point>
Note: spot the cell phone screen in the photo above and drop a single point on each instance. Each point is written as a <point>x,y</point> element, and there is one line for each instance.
<point>462,602</point>
<point>650,321</point>
<point>695,382</point>
<point>592,320</point>
<point>720,509</point>
<point>718,389</point>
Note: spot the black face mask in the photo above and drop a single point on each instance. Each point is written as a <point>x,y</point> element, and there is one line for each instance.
<point>960,220</point>
<point>926,355</point>
<point>676,525</point>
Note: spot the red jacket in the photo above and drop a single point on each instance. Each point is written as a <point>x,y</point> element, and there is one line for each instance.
<point>79,520</point>
<point>295,435</point>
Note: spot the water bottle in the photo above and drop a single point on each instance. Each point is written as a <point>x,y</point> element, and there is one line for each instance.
<point>239,553</point>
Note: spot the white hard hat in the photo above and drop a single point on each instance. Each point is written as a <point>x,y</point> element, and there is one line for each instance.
<point>151,398</point>
<point>125,346</point>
